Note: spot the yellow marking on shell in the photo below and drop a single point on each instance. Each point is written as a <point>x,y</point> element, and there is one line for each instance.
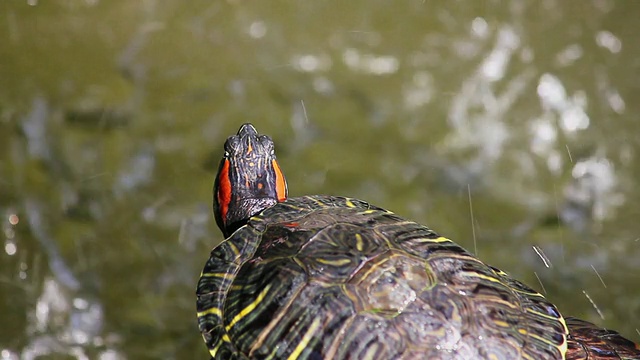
<point>216,275</point>
<point>431,284</point>
<point>226,338</point>
<point>371,353</point>
<point>299,262</point>
<point>349,203</point>
<point>546,316</point>
<point>304,342</point>
<point>562,347</point>
<point>530,293</point>
<point>214,350</point>
<point>500,272</point>
<point>345,290</point>
<point>234,248</point>
<point>439,239</point>
<point>565,346</point>
<point>359,243</point>
<point>337,262</point>
<point>373,269</point>
<point>543,340</point>
<point>275,321</point>
<point>484,277</point>
<point>501,323</point>
<point>317,202</point>
<point>249,308</point>
<point>506,303</point>
<point>213,311</point>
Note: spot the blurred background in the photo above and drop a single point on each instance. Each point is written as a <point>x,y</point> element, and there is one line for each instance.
<point>509,126</point>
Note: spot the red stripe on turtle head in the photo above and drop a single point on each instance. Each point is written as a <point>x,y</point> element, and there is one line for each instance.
<point>281,182</point>
<point>223,191</point>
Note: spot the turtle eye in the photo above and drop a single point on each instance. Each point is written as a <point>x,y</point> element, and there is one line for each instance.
<point>231,145</point>
<point>265,140</point>
<point>267,144</point>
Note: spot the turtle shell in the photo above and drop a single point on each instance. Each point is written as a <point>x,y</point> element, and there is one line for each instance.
<point>321,277</point>
<point>587,341</point>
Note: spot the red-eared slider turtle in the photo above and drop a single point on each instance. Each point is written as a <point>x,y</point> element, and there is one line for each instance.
<point>327,277</point>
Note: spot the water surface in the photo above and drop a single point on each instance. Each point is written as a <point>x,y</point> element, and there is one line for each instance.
<point>509,126</point>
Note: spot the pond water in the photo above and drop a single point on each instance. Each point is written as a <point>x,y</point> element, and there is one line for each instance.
<point>511,127</point>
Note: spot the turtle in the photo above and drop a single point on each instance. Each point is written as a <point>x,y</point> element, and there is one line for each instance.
<point>331,277</point>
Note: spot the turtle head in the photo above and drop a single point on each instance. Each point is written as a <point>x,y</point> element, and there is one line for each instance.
<point>249,179</point>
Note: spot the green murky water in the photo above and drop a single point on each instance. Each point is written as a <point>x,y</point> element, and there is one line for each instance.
<point>510,126</point>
